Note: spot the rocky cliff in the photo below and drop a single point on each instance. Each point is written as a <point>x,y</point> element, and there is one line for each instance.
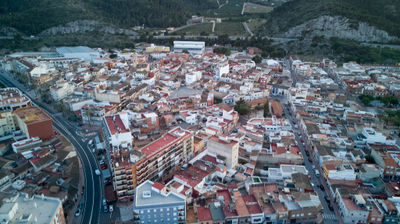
<point>341,27</point>
<point>83,26</point>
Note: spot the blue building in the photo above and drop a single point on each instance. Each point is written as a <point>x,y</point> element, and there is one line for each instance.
<point>154,203</point>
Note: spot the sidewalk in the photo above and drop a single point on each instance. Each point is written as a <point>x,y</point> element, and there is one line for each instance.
<point>71,213</point>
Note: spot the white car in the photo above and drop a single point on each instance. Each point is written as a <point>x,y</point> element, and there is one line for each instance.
<point>111,208</point>
<point>97,172</point>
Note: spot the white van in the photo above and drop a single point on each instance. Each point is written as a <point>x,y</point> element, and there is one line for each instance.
<point>317,173</point>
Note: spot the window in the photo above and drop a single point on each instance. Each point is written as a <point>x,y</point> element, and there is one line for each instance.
<point>161,209</point>
<point>174,213</point>
<point>293,216</point>
<point>302,214</point>
<point>175,209</point>
<point>154,210</point>
<point>373,219</point>
<point>174,218</point>
<point>141,211</point>
<point>167,209</point>
<point>309,213</point>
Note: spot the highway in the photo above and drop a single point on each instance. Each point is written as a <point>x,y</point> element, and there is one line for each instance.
<point>93,193</point>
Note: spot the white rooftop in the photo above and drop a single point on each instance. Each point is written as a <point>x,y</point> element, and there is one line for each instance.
<point>37,209</point>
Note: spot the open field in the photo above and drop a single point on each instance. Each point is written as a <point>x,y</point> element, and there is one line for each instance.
<point>230,28</point>
<point>255,23</point>
<point>256,8</point>
<point>196,29</point>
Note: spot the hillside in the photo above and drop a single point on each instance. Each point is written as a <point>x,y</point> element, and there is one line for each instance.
<point>383,15</point>
<point>32,17</point>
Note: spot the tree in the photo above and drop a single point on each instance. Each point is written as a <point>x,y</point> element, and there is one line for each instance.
<point>60,107</point>
<point>222,50</point>
<point>257,59</point>
<point>242,108</point>
<point>185,51</point>
<point>366,99</point>
<point>266,109</point>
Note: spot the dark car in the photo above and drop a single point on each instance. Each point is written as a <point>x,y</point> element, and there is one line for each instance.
<point>105,209</point>
<point>322,187</point>
<point>309,159</point>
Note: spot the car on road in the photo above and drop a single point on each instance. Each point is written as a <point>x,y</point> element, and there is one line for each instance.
<point>322,187</point>
<point>309,159</point>
<point>317,173</point>
<point>111,208</point>
<point>78,212</point>
<point>104,201</point>
<point>103,166</point>
<point>105,209</point>
<point>97,172</point>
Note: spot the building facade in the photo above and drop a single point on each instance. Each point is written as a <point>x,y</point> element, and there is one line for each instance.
<point>154,203</point>
<point>34,122</point>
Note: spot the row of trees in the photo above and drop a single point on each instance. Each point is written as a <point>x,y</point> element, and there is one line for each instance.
<point>392,117</point>
<point>366,99</point>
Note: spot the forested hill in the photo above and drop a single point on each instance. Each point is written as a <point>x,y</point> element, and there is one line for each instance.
<point>34,16</point>
<point>383,14</point>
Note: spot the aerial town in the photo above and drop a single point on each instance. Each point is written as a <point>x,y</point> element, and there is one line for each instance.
<point>185,134</point>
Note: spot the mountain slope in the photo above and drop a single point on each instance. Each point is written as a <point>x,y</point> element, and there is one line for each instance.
<point>34,16</point>
<point>382,14</point>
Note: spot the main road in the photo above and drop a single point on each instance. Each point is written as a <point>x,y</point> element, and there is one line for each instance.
<point>93,184</point>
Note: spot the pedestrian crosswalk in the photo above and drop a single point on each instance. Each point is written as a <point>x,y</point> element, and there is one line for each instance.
<point>329,216</point>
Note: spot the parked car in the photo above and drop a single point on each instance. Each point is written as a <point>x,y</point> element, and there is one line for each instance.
<point>105,209</point>
<point>322,187</point>
<point>104,201</point>
<point>111,208</point>
<point>78,212</point>
<point>97,172</point>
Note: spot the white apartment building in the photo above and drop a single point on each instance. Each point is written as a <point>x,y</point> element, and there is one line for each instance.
<point>224,147</point>
<point>37,209</point>
<point>61,90</point>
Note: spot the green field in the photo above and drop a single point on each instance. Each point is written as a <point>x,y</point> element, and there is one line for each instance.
<point>233,8</point>
<point>256,8</point>
<point>230,28</point>
<point>255,23</point>
<point>196,29</point>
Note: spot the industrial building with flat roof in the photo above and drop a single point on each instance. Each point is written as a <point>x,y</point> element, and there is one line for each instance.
<point>80,52</point>
<point>193,47</point>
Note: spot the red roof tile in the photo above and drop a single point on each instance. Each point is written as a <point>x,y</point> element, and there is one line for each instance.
<point>204,214</point>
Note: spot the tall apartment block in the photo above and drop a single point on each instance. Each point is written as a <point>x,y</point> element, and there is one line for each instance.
<point>131,167</point>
